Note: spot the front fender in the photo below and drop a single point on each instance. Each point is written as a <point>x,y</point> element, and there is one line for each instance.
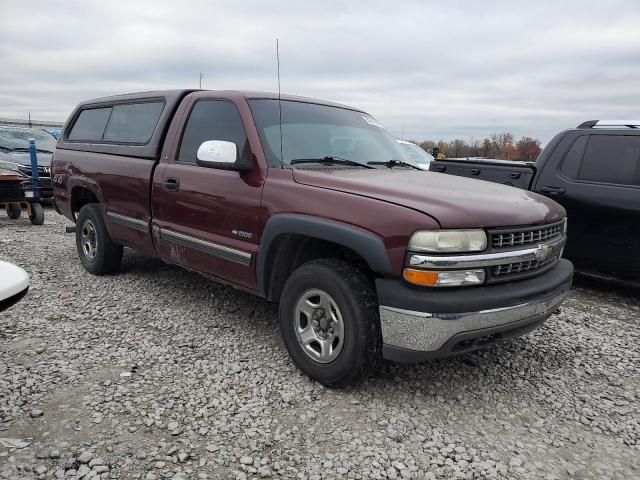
<point>368,245</point>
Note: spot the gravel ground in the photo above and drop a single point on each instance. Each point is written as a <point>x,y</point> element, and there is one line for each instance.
<point>158,373</point>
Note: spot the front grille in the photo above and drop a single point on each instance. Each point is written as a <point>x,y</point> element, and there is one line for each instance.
<point>521,267</point>
<point>526,236</point>
<point>42,171</point>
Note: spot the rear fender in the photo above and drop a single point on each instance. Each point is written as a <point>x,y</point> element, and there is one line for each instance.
<point>89,184</point>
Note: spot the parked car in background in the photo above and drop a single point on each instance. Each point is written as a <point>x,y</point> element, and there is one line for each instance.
<point>11,192</point>
<point>14,149</point>
<point>16,195</point>
<point>313,205</point>
<point>14,284</point>
<point>417,154</point>
<point>594,172</point>
<point>56,133</point>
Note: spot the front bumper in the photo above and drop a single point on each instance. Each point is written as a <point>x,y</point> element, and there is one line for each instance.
<point>45,190</point>
<point>419,324</point>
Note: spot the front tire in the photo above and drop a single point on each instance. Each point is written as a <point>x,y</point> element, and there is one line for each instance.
<point>330,322</point>
<point>98,253</point>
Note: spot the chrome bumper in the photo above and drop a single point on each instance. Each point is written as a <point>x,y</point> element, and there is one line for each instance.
<point>429,332</point>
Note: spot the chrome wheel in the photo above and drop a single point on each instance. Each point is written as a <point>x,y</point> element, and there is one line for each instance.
<point>319,326</point>
<point>89,240</point>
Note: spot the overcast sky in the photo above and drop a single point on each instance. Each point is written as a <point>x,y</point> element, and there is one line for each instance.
<point>450,69</point>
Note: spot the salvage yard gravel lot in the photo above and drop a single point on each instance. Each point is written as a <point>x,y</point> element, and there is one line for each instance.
<point>159,373</point>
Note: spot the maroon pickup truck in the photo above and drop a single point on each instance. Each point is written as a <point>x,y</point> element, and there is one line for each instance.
<point>313,205</point>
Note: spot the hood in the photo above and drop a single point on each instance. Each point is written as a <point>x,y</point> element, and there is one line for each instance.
<point>455,202</point>
<point>23,158</point>
<point>8,173</point>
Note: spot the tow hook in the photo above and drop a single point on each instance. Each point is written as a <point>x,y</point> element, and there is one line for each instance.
<point>557,311</point>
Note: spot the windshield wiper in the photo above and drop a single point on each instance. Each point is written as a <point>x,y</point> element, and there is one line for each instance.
<point>26,149</point>
<point>329,161</point>
<point>395,163</point>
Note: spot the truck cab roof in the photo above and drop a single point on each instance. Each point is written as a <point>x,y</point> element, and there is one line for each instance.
<point>181,93</point>
<point>157,108</point>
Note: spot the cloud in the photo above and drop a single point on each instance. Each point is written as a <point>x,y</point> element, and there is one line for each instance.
<point>456,69</point>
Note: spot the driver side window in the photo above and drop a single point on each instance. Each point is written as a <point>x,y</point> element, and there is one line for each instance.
<point>212,120</point>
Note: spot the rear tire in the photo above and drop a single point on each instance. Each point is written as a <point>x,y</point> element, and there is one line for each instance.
<point>98,253</point>
<point>37,214</point>
<point>14,210</point>
<point>331,303</point>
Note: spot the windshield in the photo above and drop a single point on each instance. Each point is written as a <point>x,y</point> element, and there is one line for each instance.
<point>417,154</point>
<point>311,131</point>
<point>18,139</point>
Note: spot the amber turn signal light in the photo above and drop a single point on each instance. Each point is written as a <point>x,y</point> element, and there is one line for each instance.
<point>424,278</point>
<point>449,278</point>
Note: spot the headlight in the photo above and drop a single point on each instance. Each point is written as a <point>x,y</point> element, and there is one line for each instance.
<point>448,241</point>
<point>10,165</point>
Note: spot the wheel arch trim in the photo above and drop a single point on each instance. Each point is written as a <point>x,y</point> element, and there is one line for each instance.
<point>368,245</point>
<point>87,184</point>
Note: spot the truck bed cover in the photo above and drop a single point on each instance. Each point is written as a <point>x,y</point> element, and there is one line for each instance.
<point>151,149</point>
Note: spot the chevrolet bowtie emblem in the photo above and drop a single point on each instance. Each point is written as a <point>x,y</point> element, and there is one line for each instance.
<point>543,253</point>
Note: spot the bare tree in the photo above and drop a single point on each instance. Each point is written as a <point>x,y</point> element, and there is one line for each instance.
<point>474,148</point>
<point>503,143</point>
<point>528,148</point>
<point>487,147</point>
<point>497,145</point>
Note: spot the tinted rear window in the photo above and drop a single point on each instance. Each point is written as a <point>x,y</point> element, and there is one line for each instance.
<point>127,123</point>
<point>90,124</point>
<point>133,123</point>
<point>612,159</point>
<point>571,164</point>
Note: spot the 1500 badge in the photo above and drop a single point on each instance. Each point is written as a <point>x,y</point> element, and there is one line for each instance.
<point>242,234</point>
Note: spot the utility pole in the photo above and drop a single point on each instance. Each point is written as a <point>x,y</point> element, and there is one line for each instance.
<point>201,77</point>
<point>29,119</point>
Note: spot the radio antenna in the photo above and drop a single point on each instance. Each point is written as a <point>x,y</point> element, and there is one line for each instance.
<point>279,100</point>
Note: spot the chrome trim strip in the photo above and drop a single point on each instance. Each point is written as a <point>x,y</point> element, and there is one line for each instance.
<point>484,259</point>
<point>430,331</point>
<point>130,222</point>
<point>227,253</point>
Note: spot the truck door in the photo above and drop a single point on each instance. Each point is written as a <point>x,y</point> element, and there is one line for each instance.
<point>598,183</point>
<point>206,219</point>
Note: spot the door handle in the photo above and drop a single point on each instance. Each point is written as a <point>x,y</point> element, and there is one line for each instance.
<point>475,171</point>
<point>514,175</point>
<point>171,184</point>
<point>552,190</point>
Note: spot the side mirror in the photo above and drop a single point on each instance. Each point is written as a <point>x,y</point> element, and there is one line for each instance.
<point>220,154</point>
